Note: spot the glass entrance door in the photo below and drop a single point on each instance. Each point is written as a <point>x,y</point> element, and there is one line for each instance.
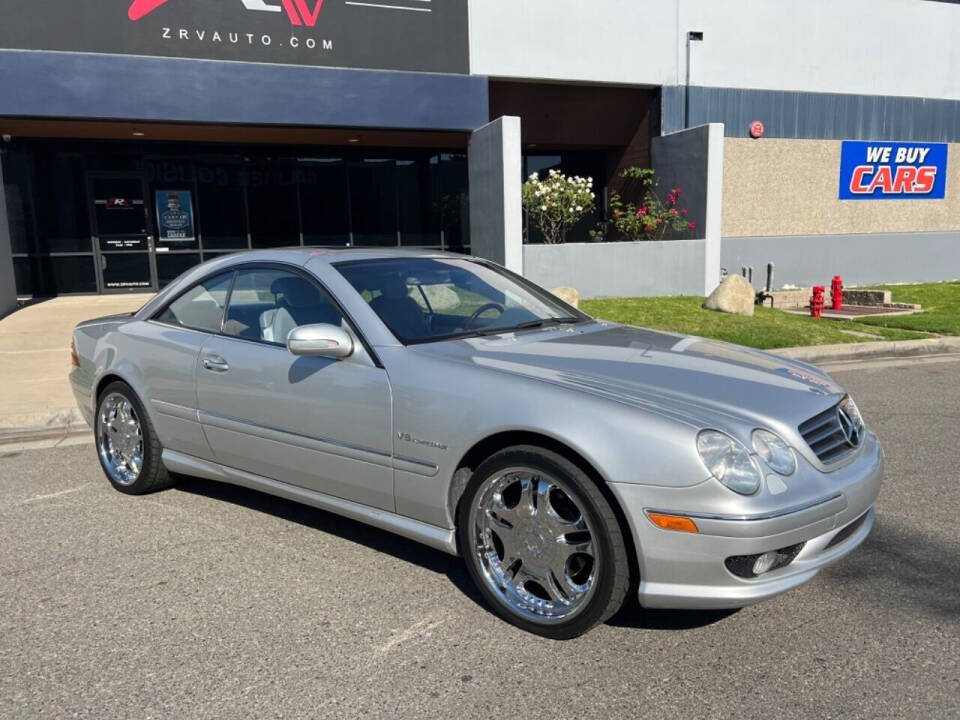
<point>122,233</point>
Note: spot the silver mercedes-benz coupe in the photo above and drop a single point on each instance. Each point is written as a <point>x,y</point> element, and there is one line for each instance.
<point>570,461</point>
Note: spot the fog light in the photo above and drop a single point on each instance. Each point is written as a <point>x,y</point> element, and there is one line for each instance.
<point>750,566</point>
<point>764,563</point>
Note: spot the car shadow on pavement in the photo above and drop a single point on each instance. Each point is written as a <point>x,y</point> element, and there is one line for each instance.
<point>374,538</point>
<point>630,616</point>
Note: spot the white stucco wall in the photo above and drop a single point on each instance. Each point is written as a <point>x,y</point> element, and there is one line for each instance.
<point>907,48</point>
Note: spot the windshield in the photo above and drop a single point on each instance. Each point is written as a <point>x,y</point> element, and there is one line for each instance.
<point>425,299</point>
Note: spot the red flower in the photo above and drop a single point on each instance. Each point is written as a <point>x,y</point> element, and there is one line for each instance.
<point>683,212</point>
<point>650,228</point>
<point>691,225</point>
<point>676,191</point>
<point>672,198</point>
<point>642,211</point>
<point>659,221</point>
<point>673,211</point>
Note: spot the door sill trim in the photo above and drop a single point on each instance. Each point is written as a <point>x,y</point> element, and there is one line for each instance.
<point>436,537</point>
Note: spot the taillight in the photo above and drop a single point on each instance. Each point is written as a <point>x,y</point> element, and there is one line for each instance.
<point>74,356</point>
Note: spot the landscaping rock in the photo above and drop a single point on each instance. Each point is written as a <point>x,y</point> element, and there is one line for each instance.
<point>734,295</point>
<point>568,294</point>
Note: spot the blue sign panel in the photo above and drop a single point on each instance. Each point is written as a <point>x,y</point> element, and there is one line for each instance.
<point>893,171</point>
<point>174,216</point>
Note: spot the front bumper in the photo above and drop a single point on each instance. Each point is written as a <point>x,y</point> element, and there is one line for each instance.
<point>687,570</point>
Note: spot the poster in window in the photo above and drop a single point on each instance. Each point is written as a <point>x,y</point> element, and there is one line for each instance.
<point>175,216</point>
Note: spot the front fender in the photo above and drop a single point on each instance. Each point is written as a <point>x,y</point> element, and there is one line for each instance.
<point>443,409</point>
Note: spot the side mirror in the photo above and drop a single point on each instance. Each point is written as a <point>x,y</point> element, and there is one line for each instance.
<point>320,340</point>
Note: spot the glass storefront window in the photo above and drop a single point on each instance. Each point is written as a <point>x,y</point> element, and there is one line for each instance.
<point>373,203</point>
<point>16,189</point>
<point>125,271</point>
<point>171,265</point>
<point>417,184</point>
<point>119,206</point>
<point>454,202</point>
<point>60,201</point>
<point>238,198</point>
<point>221,204</point>
<point>71,274</point>
<point>273,203</point>
<point>23,275</point>
<point>324,201</point>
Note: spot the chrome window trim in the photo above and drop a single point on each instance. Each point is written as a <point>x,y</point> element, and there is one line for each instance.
<point>747,518</point>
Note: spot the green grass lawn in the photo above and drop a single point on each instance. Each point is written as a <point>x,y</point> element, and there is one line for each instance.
<point>766,329</point>
<point>941,308</point>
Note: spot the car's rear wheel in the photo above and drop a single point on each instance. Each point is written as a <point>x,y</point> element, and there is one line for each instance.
<point>127,444</point>
<point>542,543</point>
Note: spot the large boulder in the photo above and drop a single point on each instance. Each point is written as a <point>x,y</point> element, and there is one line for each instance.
<point>568,294</point>
<point>734,295</point>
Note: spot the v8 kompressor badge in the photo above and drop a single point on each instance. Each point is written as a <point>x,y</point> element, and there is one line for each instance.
<point>407,437</point>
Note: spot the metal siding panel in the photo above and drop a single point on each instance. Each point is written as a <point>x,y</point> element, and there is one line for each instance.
<point>817,115</point>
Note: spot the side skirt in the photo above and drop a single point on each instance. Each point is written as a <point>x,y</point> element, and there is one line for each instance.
<point>436,537</point>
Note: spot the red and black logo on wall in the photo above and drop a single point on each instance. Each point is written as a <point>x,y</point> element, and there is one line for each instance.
<point>416,35</point>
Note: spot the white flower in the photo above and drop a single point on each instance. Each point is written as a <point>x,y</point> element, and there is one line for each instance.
<point>542,207</point>
<point>579,207</point>
<point>534,176</point>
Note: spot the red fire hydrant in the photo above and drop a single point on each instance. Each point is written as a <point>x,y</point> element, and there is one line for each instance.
<point>816,301</point>
<point>836,292</point>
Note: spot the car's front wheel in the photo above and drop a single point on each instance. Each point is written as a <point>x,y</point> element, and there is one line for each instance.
<point>542,543</point>
<point>127,444</point>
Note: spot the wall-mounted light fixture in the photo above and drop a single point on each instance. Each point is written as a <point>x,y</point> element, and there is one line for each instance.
<point>692,37</point>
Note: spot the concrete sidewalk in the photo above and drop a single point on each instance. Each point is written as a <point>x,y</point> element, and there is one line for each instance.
<point>35,397</point>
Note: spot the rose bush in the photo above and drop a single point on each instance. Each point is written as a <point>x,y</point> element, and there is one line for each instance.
<point>557,202</point>
<point>650,219</point>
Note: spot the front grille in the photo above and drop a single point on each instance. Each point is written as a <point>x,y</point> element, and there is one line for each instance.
<point>825,437</point>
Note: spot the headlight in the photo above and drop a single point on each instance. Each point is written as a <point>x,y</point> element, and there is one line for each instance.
<point>775,452</point>
<point>852,411</point>
<point>728,461</point>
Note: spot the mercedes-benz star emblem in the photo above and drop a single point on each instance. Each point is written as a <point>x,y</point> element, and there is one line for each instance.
<point>850,428</point>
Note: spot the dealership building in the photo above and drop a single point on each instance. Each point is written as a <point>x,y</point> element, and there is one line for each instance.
<point>141,137</point>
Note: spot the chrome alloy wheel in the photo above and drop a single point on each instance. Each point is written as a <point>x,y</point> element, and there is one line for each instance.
<point>535,546</point>
<point>120,439</point>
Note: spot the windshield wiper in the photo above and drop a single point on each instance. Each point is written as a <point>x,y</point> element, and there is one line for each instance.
<point>529,324</point>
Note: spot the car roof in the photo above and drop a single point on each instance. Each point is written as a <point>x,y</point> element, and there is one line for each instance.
<point>302,255</point>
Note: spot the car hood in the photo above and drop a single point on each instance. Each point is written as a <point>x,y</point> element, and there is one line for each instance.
<point>690,378</point>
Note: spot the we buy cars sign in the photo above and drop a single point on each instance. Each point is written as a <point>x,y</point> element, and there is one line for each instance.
<point>893,171</point>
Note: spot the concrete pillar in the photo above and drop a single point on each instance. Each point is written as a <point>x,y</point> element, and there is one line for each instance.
<point>8,288</point>
<point>693,160</point>
<point>496,212</point>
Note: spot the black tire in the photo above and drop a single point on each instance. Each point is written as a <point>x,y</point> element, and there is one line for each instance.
<point>613,572</point>
<point>153,476</point>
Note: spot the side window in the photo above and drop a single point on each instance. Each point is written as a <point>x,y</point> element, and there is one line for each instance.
<point>200,307</point>
<point>266,304</point>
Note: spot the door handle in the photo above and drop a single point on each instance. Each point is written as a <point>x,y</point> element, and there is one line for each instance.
<point>215,364</point>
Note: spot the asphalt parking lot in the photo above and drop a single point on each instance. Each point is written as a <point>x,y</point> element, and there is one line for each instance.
<point>214,601</point>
